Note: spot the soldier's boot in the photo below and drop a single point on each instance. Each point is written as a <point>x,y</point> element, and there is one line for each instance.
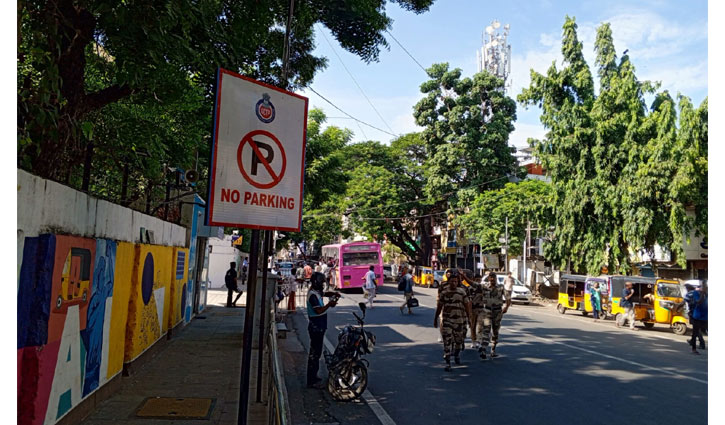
<point>457,356</point>
<point>448,363</point>
<point>482,352</point>
<point>493,351</point>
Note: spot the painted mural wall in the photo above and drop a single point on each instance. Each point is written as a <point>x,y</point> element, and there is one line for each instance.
<point>85,307</point>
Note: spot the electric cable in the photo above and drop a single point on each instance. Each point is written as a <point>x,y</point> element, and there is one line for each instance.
<point>355,81</point>
<point>406,51</point>
<point>350,116</point>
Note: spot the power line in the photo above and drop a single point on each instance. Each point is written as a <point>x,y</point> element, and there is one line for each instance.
<point>406,51</point>
<point>355,81</point>
<point>349,116</point>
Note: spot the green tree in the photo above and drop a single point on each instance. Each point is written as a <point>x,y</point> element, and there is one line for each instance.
<point>385,196</point>
<point>612,159</point>
<point>151,46</point>
<point>467,122</point>
<point>523,202</point>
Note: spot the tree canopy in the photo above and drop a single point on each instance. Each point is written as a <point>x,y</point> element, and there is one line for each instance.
<point>125,87</point>
<point>617,165</point>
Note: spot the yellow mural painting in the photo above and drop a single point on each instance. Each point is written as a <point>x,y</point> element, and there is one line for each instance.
<point>125,268</point>
<point>178,280</point>
<point>148,312</point>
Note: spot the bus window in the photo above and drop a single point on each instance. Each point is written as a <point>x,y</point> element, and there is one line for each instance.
<point>359,258</point>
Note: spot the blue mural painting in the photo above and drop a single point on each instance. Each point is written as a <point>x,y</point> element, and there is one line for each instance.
<point>102,289</point>
<point>36,277</point>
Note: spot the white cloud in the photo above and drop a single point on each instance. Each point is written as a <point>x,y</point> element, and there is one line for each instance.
<point>522,133</point>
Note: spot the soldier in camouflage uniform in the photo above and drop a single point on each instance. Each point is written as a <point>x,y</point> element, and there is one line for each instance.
<point>475,292</point>
<point>489,319</point>
<point>455,306</point>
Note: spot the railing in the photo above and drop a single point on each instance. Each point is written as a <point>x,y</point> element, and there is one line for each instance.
<point>279,412</point>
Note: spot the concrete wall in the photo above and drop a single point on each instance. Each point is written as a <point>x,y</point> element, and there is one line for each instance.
<point>49,207</point>
<point>90,298</point>
<point>222,253</point>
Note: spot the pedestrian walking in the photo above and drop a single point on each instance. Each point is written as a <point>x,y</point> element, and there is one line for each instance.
<point>628,305</point>
<point>454,308</point>
<point>508,285</point>
<point>230,281</point>
<point>308,274</point>
<point>489,320</point>
<point>407,288</point>
<point>317,314</point>
<point>292,282</point>
<point>370,285</point>
<point>475,293</point>
<point>689,305</point>
<point>698,301</point>
<point>325,270</point>
<point>318,268</point>
<point>596,300</point>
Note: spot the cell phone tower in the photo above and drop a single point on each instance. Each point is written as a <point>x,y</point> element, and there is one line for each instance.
<point>495,53</point>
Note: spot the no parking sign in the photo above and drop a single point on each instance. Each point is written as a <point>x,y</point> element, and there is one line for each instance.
<point>258,155</point>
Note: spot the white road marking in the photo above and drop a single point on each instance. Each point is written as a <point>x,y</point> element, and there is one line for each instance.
<point>640,365</point>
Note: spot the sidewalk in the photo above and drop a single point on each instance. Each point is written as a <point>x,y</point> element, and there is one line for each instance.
<point>201,361</point>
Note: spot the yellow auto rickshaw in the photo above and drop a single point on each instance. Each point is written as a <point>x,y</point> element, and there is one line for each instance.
<point>655,301</point>
<point>75,280</point>
<point>571,293</point>
<point>423,276</point>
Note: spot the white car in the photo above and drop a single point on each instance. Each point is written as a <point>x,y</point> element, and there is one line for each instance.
<point>519,293</point>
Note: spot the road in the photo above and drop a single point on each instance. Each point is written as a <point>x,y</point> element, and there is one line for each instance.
<point>552,369</point>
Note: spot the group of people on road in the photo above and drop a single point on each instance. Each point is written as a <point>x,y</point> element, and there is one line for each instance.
<point>481,306</point>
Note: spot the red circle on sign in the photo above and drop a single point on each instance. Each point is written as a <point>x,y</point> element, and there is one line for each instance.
<point>248,139</point>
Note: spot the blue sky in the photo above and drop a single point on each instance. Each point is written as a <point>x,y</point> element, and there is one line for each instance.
<point>667,42</point>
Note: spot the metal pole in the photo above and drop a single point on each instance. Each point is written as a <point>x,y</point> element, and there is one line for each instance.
<point>263,311</point>
<point>248,326</point>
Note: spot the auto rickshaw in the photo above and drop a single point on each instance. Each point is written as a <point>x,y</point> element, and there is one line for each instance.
<point>571,293</point>
<point>423,276</point>
<point>655,301</point>
<point>604,291</point>
<point>75,280</point>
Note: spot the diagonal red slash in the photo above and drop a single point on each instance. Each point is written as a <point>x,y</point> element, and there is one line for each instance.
<point>262,159</point>
<point>248,138</point>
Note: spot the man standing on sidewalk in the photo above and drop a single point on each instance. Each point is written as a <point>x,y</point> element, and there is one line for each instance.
<point>317,315</point>
<point>628,305</point>
<point>308,274</point>
<point>508,285</point>
<point>230,281</point>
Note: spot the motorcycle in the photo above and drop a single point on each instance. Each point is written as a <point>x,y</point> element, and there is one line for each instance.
<point>348,371</point>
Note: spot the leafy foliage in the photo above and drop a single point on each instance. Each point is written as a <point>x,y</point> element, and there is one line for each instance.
<point>617,166</point>
<point>528,200</point>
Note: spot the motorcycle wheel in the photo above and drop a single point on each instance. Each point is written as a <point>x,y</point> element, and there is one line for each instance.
<point>349,383</point>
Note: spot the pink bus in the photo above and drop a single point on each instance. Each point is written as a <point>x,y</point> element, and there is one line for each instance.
<point>352,261</point>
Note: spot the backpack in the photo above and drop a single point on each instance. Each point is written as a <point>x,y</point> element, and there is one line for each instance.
<point>229,280</point>
<point>401,283</point>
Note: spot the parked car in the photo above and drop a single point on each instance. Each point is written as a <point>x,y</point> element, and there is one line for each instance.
<point>387,273</point>
<point>519,293</point>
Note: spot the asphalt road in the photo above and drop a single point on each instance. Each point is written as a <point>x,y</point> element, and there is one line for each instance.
<point>552,369</point>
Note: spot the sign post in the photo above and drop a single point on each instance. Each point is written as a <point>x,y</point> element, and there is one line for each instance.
<point>256,179</point>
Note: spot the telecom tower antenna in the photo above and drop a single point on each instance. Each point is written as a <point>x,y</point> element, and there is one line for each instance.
<point>495,53</point>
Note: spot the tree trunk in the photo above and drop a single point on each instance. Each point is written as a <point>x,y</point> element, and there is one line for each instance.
<point>424,229</point>
<point>87,168</point>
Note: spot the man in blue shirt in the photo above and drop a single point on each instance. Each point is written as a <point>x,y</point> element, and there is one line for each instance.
<point>689,302</point>
<point>408,291</point>
<point>628,305</point>
<point>317,315</point>
<point>699,316</point>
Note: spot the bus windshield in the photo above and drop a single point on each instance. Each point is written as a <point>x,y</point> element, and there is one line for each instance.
<point>359,258</point>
